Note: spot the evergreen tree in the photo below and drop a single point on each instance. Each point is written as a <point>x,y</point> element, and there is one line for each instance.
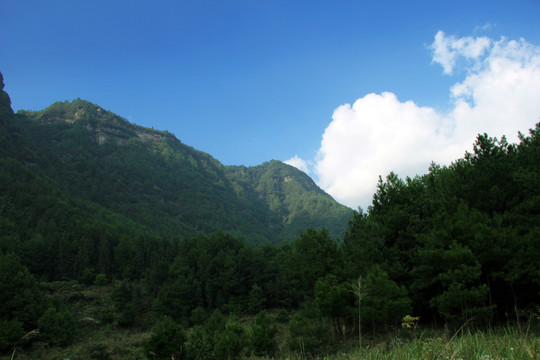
<point>20,298</point>
<point>385,302</point>
<point>334,300</point>
<point>313,255</point>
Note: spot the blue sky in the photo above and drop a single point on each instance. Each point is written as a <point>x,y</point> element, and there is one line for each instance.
<point>250,81</point>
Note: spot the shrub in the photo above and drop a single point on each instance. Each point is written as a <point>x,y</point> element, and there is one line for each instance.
<point>167,339</point>
<point>256,300</point>
<point>57,327</point>
<point>215,324</point>
<point>106,315</point>
<point>200,346</point>
<point>231,342</point>
<point>10,332</point>
<point>307,332</point>
<point>263,331</point>
<point>101,279</point>
<point>198,316</point>
<point>20,297</point>
<point>127,315</point>
<point>88,276</point>
<point>282,316</point>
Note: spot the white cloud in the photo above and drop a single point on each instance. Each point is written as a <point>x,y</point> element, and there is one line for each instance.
<point>500,95</point>
<point>448,49</point>
<point>298,163</point>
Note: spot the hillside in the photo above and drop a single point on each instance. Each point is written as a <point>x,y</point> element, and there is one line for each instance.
<point>153,179</point>
<point>290,195</point>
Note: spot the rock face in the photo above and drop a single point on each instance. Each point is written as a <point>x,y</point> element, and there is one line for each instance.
<point>104,134</point>
<point>5,103</point>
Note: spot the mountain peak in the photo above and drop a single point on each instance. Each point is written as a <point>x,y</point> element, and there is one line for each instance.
<point>75,111</point>
<point>103,125</point>
<point>292,195</point>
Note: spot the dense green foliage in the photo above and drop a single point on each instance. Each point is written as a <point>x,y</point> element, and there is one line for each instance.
<point>57,327</point>
<point>167,339</point>
<point>262,334</point>
<point>21,301</point>
<point>175,244</point>
<point>173,190</point>
<point>463,238</point>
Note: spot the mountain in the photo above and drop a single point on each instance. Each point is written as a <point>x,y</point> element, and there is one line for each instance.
<point>105,167</point>
<point>291,195</point>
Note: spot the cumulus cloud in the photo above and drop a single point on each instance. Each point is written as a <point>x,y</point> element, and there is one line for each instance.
<point>374,136</point>
<point>378,133</point>
<point>298,163</point>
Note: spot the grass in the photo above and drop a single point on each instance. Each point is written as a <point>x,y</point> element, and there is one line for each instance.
<point>497,344</point>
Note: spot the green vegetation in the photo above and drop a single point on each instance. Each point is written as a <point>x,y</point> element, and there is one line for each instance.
<point>167,187</point>
<point>503,343</point>
<point>166,340</point>
<point>304,335</point>
<point>118,241</point>
<point>57,327</point>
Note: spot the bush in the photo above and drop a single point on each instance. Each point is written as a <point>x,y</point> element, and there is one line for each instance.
<point>20,297</point>
<point>57,327</point>
<point>231,342</point>
<point>167,339</point>
<point>215,324</point>
<point>256,300</point>
<point>121,295</point>
<point>307,332</point>
<point>106,315</point>
<point>200,346</point>
<point>101,279</point>
<point>198,316</point>
<point>88,276</point>
<point>282,316</point>
<point>10,332</point>
<point>263,331</point>
<point>127,315</point>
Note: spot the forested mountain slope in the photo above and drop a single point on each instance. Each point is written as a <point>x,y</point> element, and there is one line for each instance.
<point>156,181</point>
<point>290,195</point>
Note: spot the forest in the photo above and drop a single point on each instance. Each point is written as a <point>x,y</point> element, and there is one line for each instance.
<point>458,245</point>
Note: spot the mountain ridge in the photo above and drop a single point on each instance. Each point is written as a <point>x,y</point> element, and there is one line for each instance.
<point>171,188</point>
